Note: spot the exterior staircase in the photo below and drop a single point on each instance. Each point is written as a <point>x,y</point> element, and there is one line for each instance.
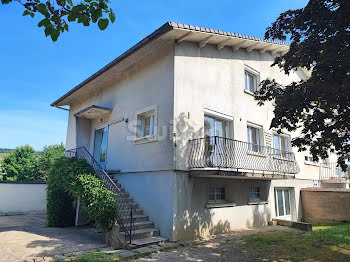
<point>143,231</point>
<point>132,228</point>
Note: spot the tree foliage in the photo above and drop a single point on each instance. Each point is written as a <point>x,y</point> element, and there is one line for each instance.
<point>21,164</point>
<point>69,179</point>
<point>318,106</point>
<point>48,156</point>
<point>58,13</point>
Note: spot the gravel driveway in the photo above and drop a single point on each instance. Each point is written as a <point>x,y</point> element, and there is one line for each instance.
<point>25,236</point>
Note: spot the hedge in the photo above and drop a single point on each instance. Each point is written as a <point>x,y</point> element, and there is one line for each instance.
<point>69,179</point>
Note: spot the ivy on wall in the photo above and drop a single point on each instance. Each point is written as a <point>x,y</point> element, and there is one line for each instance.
<point>69,179</point>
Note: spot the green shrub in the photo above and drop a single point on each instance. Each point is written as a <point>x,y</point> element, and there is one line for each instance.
<point>97,200</point>
<point>69,179</point>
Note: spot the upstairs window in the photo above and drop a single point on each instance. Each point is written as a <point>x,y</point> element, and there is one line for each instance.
<point>309,160</point>
<point>217,194</point>
<point>281,144</point>
<point>254,138</point>
<point>146,124</point>
<point>251,81</point>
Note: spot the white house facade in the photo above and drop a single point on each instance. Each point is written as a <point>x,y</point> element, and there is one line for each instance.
<point>175,122</point>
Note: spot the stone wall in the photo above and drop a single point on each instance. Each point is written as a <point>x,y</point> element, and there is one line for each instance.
<point>325,205</point>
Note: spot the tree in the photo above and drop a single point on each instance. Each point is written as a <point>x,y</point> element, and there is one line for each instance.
<point>56,14</point>
<point>320,105</point>
<point>48,156</point>
<point>21,165</point>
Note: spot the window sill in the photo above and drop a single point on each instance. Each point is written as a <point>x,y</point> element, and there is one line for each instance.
<point>253,153</point>
<point>283,158</point>
<point>258,202</point>
<point>311,163</point>
<point>145,139</point>
<point>219,205</point>
<point>249,92</point>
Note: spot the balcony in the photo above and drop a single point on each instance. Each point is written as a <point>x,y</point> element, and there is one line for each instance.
<point>233,155</point>
<point>331,171</point>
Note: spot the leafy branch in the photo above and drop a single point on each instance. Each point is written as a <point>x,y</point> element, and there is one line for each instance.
<point>57,14</point>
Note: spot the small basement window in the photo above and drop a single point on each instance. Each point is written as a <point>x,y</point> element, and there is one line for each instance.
<point>217,194</point>
<point>254,194</point>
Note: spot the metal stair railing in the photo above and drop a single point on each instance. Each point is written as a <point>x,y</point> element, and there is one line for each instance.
<point>125,208</point>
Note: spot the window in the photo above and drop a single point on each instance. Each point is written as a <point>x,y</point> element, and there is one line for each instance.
<point>283,203</point>
<point>281,144</point>
<point>251,81</point>
<point>254,138</point>
<point>254,194</point>
<point>214,127</point>
<point>310,160</point>
<point>217,194</point>
<point>146,124</point>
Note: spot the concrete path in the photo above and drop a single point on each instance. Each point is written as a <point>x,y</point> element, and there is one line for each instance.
<point>25,236</point>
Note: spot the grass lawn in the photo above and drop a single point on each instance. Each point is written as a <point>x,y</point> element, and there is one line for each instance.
<point>324,243</point>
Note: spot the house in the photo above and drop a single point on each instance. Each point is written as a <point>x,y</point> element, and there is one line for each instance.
<point>174,121</point>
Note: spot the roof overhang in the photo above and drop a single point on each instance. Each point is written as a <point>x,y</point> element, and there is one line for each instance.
<point>171,32</point>
<point>92,112</point>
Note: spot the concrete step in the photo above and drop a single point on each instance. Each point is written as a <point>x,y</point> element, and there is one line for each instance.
<point>126,211</point>
<point>136,218</point>
<point>144,233</point>
<point>127,205</point>
<point>137,211</point>
<point>141,225</point>
<point>148,241</point>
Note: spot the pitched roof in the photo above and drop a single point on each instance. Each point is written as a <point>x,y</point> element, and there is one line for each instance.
<point>191,33</point>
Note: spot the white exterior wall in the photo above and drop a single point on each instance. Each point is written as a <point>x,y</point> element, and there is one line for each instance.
<point>147,83</point>
<point>193,219</point>
<point>21,198</point>
<point>154,194</point>
<point>294,185</point>
<point>208,78</point>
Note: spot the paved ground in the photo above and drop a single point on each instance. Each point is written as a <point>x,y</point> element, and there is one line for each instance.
<point>25,236</point>
<point>224,247</point>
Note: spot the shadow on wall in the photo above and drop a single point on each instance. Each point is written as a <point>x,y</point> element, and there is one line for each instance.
<point>185,132</point>
<point>193,219</point>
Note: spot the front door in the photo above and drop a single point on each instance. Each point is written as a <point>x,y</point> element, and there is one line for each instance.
<point>100,146</point>
<point>283,203</point>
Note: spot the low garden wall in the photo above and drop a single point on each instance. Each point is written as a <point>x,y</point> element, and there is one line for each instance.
<point>325,205</point>
<point>22,197</point>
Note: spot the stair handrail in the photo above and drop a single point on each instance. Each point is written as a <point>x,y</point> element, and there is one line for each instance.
<point>83,153</point>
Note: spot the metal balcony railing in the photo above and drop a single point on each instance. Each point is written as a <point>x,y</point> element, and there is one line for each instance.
<point>125,208</point>
<point>224,153</point>
<point>333,171</point>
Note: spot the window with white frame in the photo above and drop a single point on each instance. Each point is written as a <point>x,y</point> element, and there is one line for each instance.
<point>251,81</point>
<point>254,193</point>
<point>146,124</point>
<point>281,144</point>
<point>309,160</point>
<point>254,134</point>
<point>217,194</point>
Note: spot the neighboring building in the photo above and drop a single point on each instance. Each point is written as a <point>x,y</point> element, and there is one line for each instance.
<point>174,120</point>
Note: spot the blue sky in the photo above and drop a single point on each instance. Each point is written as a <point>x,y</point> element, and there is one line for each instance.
<point>34,71</point>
